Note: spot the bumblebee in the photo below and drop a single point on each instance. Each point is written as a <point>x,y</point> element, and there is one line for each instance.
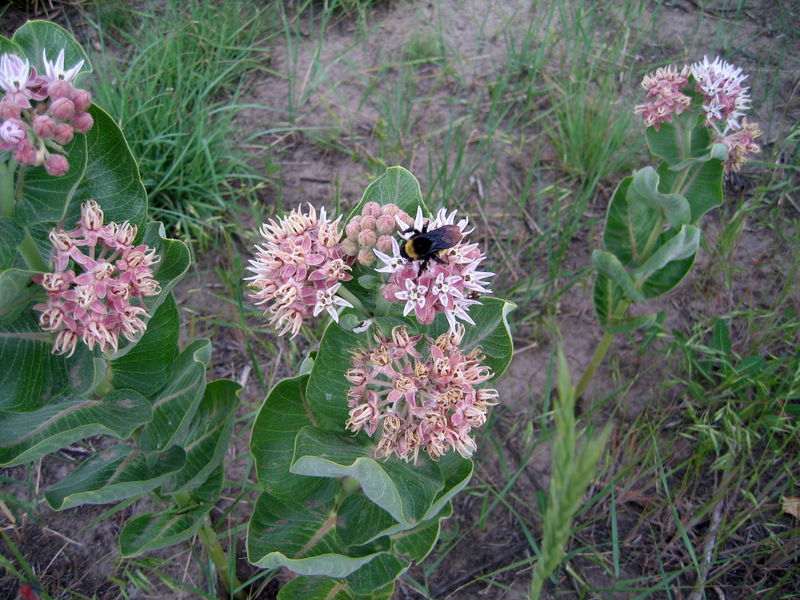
<point>425,245</point>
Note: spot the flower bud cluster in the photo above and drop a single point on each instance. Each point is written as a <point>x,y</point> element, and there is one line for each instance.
<point>94,304</point>
<point>300,269</point>
<point>425,400</point>
<point>373,230</point>
<point>450,283</point>
<point>41,113</point>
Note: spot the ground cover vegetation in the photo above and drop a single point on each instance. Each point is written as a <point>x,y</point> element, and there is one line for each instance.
<point>519,116</point>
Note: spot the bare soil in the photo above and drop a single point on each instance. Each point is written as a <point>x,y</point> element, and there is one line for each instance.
<point>73,554</point>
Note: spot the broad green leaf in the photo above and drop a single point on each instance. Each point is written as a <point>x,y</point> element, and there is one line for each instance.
<point>629,324</point>
<point>361,520</point>
<point>32,376</point>
<point>717,151</point>
<point>628,226</point>
<point>27,436</point>
<point>175,261</point>
<point>45,198</point>
<point>683,245</point>
<point>282,415</point>
<point>176,403</point>
<point>9,47</point>
<point>211,488</point>
<point>491,333</point>
<point>665,143</point>
<point>115,474</point>
<point>670,142</point>
<point>305,587</point>
<point>417,543</point>
<point>406,491</point>
<point>457,472</point>
<point>607,295</point>
<point>207,439</point>
<point>327,386</point>
<point>671,274</point>
<point>396,186</point>
<point>11,236</point>
<point>146,366</point>
<point>36,36</point>
<point>378,575</point>
<point>644,189</point>
<point>151,531</point>
<point>609,265</point>
<point>302,536</point>
<point>702,187</point>
<point>16,292</point>
<point>112,175</point>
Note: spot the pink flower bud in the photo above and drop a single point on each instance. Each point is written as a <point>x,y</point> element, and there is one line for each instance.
<point>59,89</point>
<point>82,122</point>
<point>44,127</point>
<point>353,228</point>
<point>81,99</point>
<point>12,132</point>
<point>9,110</point>
<point>367,238</point>
<point>56,165</point>
<point>385,224</point>
<point>390,209</point>
<point>63,109</point>
<point>25,154</point>
<point>384,244</point>
<point>350,247</point>
<point>368,223</point>
<point>371,209</point>
<point>63,134</point>
<point>403,216</point>
<point>366,257</point>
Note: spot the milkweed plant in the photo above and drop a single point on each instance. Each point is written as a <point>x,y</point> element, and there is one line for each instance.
<point>359,455</point>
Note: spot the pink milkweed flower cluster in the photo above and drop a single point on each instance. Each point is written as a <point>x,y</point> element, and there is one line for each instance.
<point>373,230</point>
<point>94,301</point>
<point>300,269</point>
<point>450,284</point>
<point>665,88</point>
<point>424,401</point>
<point>41,113</point>
<point>725,98</point>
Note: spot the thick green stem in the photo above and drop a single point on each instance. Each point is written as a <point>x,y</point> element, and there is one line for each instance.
<point>651,241</point>
<point>8,195</point>
<point>7,188</point>
<point>352,299</point>
<point>219,558</point>
<point>601,350</point>
<point>211,544</point>
<point>30,253</point>
<point>104,388</point>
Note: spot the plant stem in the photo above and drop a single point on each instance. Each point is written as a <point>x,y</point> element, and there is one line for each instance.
<point>103,388</point>
<point>212,547</point>
<point>30,253</point>
<point>601,350</point>
<point>352,299</point>
<point>219,558</point>
<point>651,241</point>
<point>7,188</point>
